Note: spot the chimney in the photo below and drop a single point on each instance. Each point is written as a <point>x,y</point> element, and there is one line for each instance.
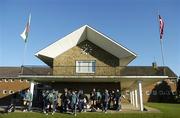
<point>154,65</point>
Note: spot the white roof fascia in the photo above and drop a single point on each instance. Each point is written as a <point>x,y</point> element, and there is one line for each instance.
<point>112,40</point>
<point>83,33</point>
<point>63,44</point>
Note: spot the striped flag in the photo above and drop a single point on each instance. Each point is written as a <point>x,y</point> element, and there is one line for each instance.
<point>161,26</point>
<point>25,33</point>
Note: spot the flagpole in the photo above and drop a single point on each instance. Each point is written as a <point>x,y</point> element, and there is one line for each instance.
<point>24,55</point>
<point>162,53</point>
<point>24,35</point>
<point>161,44</point>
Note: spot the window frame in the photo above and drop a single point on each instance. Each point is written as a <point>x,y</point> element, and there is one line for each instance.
<point>6,80</point>
<point>90,69</point>
<point>11,92</point>
<point>4,92</point>
<point>12,80</point>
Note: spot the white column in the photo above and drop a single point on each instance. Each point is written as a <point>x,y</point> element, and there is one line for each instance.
<point>133,101</point>
<point>136,98</point>
<point>140,95</point>
<point>32,89</point>
<point>131,97</point>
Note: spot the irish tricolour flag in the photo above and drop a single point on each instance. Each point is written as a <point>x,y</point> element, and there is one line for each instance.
<point>24,34</point>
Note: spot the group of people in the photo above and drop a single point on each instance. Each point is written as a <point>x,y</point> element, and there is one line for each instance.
<point>24,96</point>
<point>49,101</point>
<point>71,101</point>
<point>105,100</point>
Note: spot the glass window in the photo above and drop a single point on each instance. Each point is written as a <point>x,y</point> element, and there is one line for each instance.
<point>12,80</point>
<point>21,80</point>
<point>5,80</point>
<point>85,66</point>
<point>4,92</point>
<point>11,91</point>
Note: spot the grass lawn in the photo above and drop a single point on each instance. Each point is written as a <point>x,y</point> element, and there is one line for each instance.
<point>167,111</point>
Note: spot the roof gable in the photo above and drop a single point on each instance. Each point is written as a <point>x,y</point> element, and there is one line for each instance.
<point>86,33</point>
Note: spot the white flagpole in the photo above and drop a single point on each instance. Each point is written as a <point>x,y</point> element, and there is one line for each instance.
<point>23,35</point>
<point>161,44</point>
<point>162,54</point>
<point>24,55</point>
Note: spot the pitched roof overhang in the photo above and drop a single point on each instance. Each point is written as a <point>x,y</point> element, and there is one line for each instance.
<point>85,33</point>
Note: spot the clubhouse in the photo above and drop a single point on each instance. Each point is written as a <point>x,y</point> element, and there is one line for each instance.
<point>87,59</point>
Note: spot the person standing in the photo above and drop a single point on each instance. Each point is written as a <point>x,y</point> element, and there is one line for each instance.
<point>55,93</point>
<point>65,100</point>
<point>81,98</point>
<point>111,100</point>
<point>44,98</point>
<point>93,99</point>
<point>74,101</point>
<point>117,99</point>
<point>50,103</point>
<point>27,101</point>
<point>98,102</point>
<point>105,100</point>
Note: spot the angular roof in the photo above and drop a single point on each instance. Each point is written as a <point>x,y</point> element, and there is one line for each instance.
<point>14,72</point>
<point>85,33</point>
<point>11,72</point>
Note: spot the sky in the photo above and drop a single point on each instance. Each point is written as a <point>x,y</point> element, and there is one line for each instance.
<point>132,23</point>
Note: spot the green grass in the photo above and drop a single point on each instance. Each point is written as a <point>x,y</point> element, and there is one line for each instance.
<point>167,111</point>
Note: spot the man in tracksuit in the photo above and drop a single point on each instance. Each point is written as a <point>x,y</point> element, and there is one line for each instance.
<point>117,99</point>
<point>105,100</point>
<point>45,100</point>
<point>74,101</point>
<point>27,101</point>
<point>50,103</point>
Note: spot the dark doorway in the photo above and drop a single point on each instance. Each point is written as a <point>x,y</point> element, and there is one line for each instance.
<point>85,86</point>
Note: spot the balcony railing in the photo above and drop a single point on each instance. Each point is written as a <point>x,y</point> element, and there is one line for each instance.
<point>98,71</point>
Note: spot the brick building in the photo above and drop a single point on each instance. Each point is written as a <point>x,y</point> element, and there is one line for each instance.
<point>87,59</point>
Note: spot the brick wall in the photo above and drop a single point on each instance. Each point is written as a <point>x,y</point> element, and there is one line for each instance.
<point>162,91</point>
<point>106,63</point>
<point>10,87</point>
<point>11,84</point>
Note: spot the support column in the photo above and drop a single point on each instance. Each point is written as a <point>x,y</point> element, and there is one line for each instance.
<point>31,90</point>
<point>136,98</point>
<point>133,101</point>
<point>131,97</point>
<point>140,95</point>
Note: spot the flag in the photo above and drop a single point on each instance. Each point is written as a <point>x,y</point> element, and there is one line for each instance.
<point>25,33</point>
<point>161,26</point>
